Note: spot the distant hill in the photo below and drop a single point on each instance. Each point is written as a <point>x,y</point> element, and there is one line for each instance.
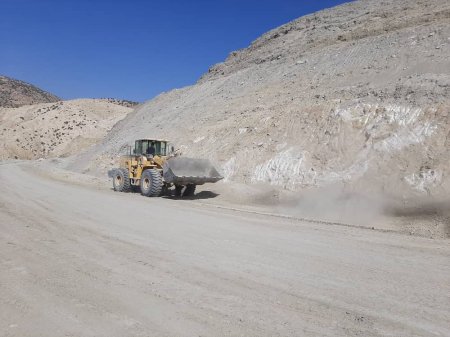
<point>57,129</point>
<point>36,124</point>
<point>15,93</point>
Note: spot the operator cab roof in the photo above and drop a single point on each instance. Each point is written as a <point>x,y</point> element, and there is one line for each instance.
<point>152,139</point>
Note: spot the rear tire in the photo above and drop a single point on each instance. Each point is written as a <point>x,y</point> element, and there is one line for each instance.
<point>121,180</point>
<point>151,183</point>
<point>189,191</point>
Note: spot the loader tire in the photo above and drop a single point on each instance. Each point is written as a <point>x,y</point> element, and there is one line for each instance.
<point>178,190</point>
<point>121,180</point>
<point>151,183</point>
<point>189,190</point>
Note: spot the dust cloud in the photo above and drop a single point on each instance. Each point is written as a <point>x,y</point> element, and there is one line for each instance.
<point>335,204</point>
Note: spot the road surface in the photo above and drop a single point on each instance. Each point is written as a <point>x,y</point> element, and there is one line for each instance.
<point>81,261</point>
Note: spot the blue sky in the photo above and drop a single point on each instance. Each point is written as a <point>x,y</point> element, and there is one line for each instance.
<point>131,49</point>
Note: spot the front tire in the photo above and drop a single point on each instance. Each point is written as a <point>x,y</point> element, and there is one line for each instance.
<point>178,190</point>
<point>185,191</point>
<point>151,183</point>
<point>189,191</point>
<point>121,180</point>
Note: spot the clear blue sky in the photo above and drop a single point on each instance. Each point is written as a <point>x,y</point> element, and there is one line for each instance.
<point>131,49</point>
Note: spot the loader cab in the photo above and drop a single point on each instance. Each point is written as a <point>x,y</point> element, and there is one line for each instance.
<point>141,146</point>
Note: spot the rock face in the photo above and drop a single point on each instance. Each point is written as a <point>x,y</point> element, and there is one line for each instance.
<point>57,129</point>
<point>357,95</point>
<point>15,93</point>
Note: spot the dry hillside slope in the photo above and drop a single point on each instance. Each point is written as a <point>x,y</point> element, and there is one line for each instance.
<point>15,93</point>
<point>357,95</point>
<point>57,129</point>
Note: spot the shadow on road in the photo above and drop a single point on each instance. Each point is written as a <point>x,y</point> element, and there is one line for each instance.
<point>198,196</point>
<point>171,195</point>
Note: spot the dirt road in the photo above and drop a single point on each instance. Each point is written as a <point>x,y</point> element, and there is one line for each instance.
<point>79,261</point>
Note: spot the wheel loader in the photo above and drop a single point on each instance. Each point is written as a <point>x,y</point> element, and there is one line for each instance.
<point>156,170</point>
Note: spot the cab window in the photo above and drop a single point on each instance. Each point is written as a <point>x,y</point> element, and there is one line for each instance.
<point>138,147</point>
<point>145,146</point>
<point>142,146</point>
<point>162,149</point>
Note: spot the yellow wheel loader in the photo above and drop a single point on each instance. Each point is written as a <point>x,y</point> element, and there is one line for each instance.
<point>157,170</point>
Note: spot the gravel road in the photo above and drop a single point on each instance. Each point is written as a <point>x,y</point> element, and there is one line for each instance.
<point>81,261</point>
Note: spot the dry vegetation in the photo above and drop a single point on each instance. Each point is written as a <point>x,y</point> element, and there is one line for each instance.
<point>15,93</point>
<point>57,129</point>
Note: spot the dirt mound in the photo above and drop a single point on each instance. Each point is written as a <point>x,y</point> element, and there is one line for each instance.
<point>56,129</point>
<point>15,93</point>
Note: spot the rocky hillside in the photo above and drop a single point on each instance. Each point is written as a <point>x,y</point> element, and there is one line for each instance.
<point>357,95</point>
<point>15,93</point>
<point>56,129</point>
<point>122,102</point>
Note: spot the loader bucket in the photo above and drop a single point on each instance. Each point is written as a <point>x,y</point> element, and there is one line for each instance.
<point>185,171</point>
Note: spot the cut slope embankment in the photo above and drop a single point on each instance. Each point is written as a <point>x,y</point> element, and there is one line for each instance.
<point>356,95</point>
